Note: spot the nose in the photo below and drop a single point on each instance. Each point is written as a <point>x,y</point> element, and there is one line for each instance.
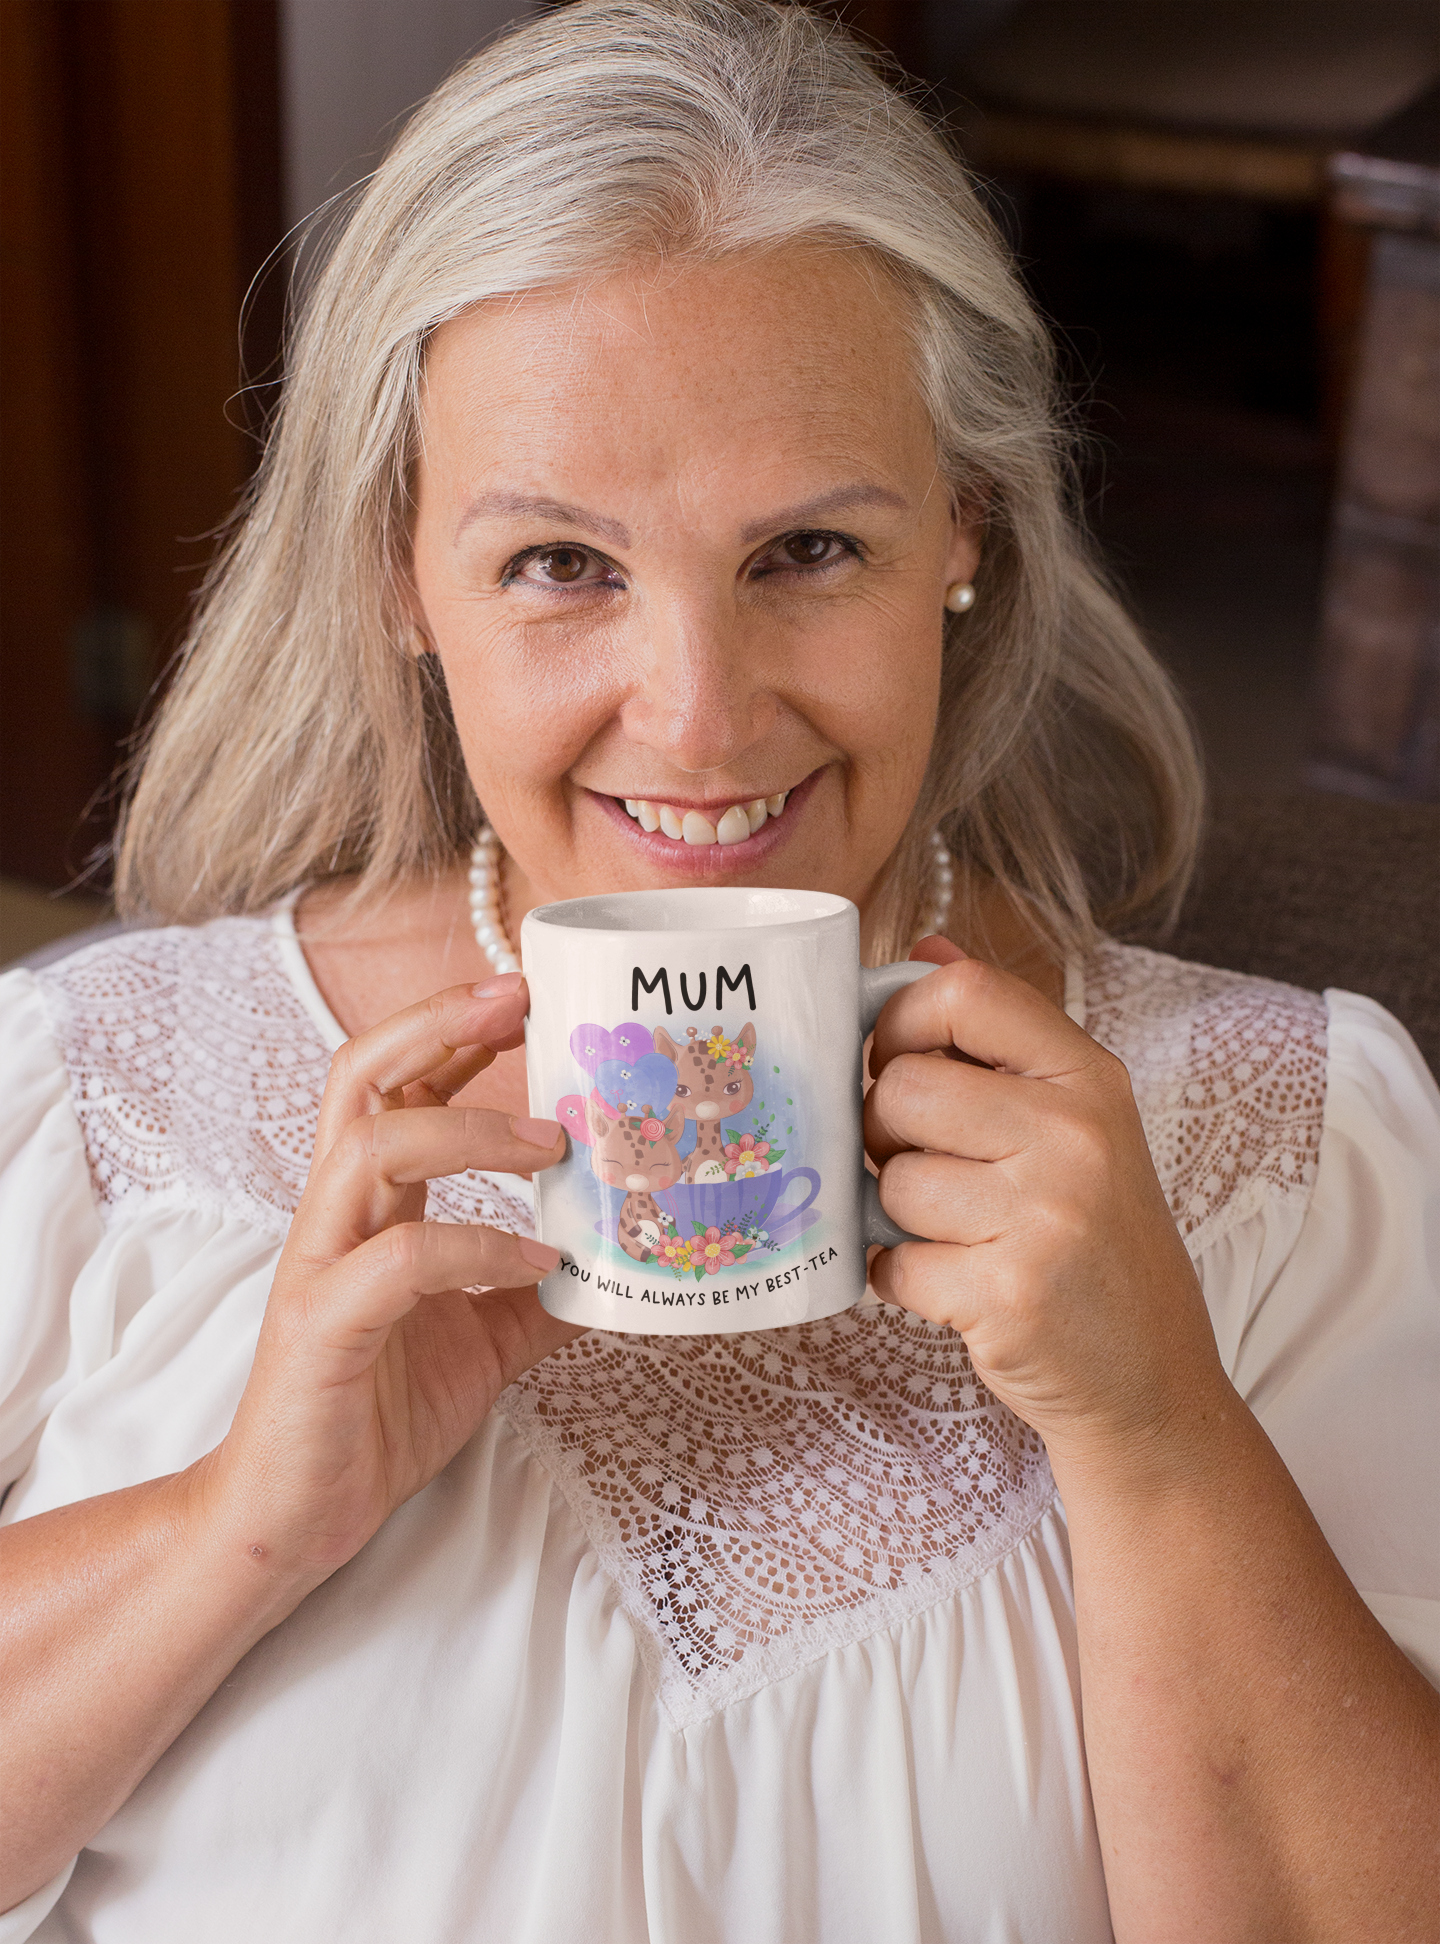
<point>701,696</point>
<point>708,1110</point>
<point>637,1181</point>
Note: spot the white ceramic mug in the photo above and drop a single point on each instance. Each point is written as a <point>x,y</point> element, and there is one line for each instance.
<point>702,1050</point>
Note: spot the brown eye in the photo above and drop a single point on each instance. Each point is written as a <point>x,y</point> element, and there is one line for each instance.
<point>563,563</point>
<point>806,549</point>
<point>733,1087</point>
<point>682,1093</point>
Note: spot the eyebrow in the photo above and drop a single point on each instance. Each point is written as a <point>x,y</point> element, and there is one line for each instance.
<point>840,499</point>
<point>523,506</point>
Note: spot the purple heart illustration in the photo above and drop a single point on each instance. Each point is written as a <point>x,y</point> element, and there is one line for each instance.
<point>591,1044</point>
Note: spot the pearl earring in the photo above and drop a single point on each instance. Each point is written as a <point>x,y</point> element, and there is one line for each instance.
<point>959,597</point>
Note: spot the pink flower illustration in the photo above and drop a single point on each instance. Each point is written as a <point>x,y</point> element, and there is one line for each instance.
<point>652,1129</point>
<point>712,1235</point>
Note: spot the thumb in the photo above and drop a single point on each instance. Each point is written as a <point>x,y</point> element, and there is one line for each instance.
<point>935,950</point>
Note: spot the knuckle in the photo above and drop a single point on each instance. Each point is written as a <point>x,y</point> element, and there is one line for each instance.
<point>403,1249</point>
<point>1063,1224</point>
<point>896,1088</point>
<point>342,1063</point>
<point>358,1142</point>
<point>1111,1073</point>
<point>1082,1140</point>
<point>972,979</point>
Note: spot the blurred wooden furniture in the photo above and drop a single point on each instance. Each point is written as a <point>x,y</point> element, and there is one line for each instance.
<point>1378,684</point>
<point>141,193</point>
<point>1236,97</point>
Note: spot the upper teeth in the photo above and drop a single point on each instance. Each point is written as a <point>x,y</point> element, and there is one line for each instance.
<point>740,821</point>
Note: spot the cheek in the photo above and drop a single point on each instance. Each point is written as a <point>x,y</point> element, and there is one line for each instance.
<point>609,1172</point>
<point>527,698</point>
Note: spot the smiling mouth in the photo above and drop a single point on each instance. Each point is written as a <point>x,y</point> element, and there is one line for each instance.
<point>733,826</point>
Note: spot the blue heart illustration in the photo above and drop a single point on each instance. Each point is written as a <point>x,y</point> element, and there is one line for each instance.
<point>631,1085</point>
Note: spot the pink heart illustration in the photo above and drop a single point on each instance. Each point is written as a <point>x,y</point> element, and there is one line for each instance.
<point>570,1112</point>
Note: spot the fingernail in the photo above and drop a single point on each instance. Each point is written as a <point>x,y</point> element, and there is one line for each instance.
<point>499,988</point>
<point>535,1133</point>
<point>538,1254</point>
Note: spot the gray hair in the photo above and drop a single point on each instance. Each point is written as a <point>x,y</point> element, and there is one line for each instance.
<point>303,737</point>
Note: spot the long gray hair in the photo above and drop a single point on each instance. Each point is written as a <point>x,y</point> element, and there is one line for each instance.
<point>303,736</point>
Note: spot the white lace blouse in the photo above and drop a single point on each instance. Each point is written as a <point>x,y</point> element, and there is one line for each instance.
<point>759,1639</point>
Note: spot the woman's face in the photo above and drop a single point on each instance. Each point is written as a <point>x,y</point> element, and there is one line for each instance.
<point>681,546</point>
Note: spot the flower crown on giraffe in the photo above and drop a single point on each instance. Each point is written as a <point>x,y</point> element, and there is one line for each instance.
<point>724,1050</point>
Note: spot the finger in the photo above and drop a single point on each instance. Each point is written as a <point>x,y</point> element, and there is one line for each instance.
<point>439,1087</point>
<point>945,1198</point>
<point>922,1102</point>
<point>370,1072</point>
<point>521,1328</point>
<point>359,1186</point>
<point>932,1279</point>
<point>933,949</point>
<point>383,1279</point>
<point>992,1015</point>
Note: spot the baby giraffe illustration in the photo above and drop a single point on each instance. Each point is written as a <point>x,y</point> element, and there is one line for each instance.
<point>638,1153</point>
<point>713,1085</point>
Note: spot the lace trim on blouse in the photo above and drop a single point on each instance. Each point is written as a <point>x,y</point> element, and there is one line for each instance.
<point>756,1501</point>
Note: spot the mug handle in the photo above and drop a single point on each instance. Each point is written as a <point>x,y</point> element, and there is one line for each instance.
<point>881,982</point>
<point>877,984</point>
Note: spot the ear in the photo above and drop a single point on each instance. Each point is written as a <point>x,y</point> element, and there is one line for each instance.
<point>747,1037</point>
<point>666,1046</point>
<point>675,1120</point>
<point>595,1120</point>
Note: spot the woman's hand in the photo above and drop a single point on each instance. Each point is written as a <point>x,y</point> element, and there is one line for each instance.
<point>377,1359</point>
<point>1053,1251</point>
<point>381,1352</point>
<point>1255,1744</point>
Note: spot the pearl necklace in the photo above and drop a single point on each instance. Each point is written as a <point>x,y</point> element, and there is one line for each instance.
<point>494,941</point>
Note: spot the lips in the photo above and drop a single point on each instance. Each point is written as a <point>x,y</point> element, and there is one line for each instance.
<point>699,862</point>
<point>733,826</point>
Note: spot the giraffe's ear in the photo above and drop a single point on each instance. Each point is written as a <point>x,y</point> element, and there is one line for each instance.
<point>665,1045</point>
<point>596,1119</point>
<point>747,1037</point>
<point>675,1120</point>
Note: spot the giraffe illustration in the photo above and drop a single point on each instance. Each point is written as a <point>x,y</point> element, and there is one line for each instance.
<point>638,1153</point>
<point>710,1088</point>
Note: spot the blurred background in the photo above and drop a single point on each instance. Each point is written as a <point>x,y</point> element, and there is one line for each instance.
<point>1228,209</point>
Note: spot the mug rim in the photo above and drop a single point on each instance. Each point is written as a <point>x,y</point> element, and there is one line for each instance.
<point>608,911</point>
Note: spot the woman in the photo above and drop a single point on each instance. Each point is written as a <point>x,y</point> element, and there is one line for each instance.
<point>669,449</point>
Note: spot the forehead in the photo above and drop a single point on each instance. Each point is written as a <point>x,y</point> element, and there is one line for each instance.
<point>769,375</point>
